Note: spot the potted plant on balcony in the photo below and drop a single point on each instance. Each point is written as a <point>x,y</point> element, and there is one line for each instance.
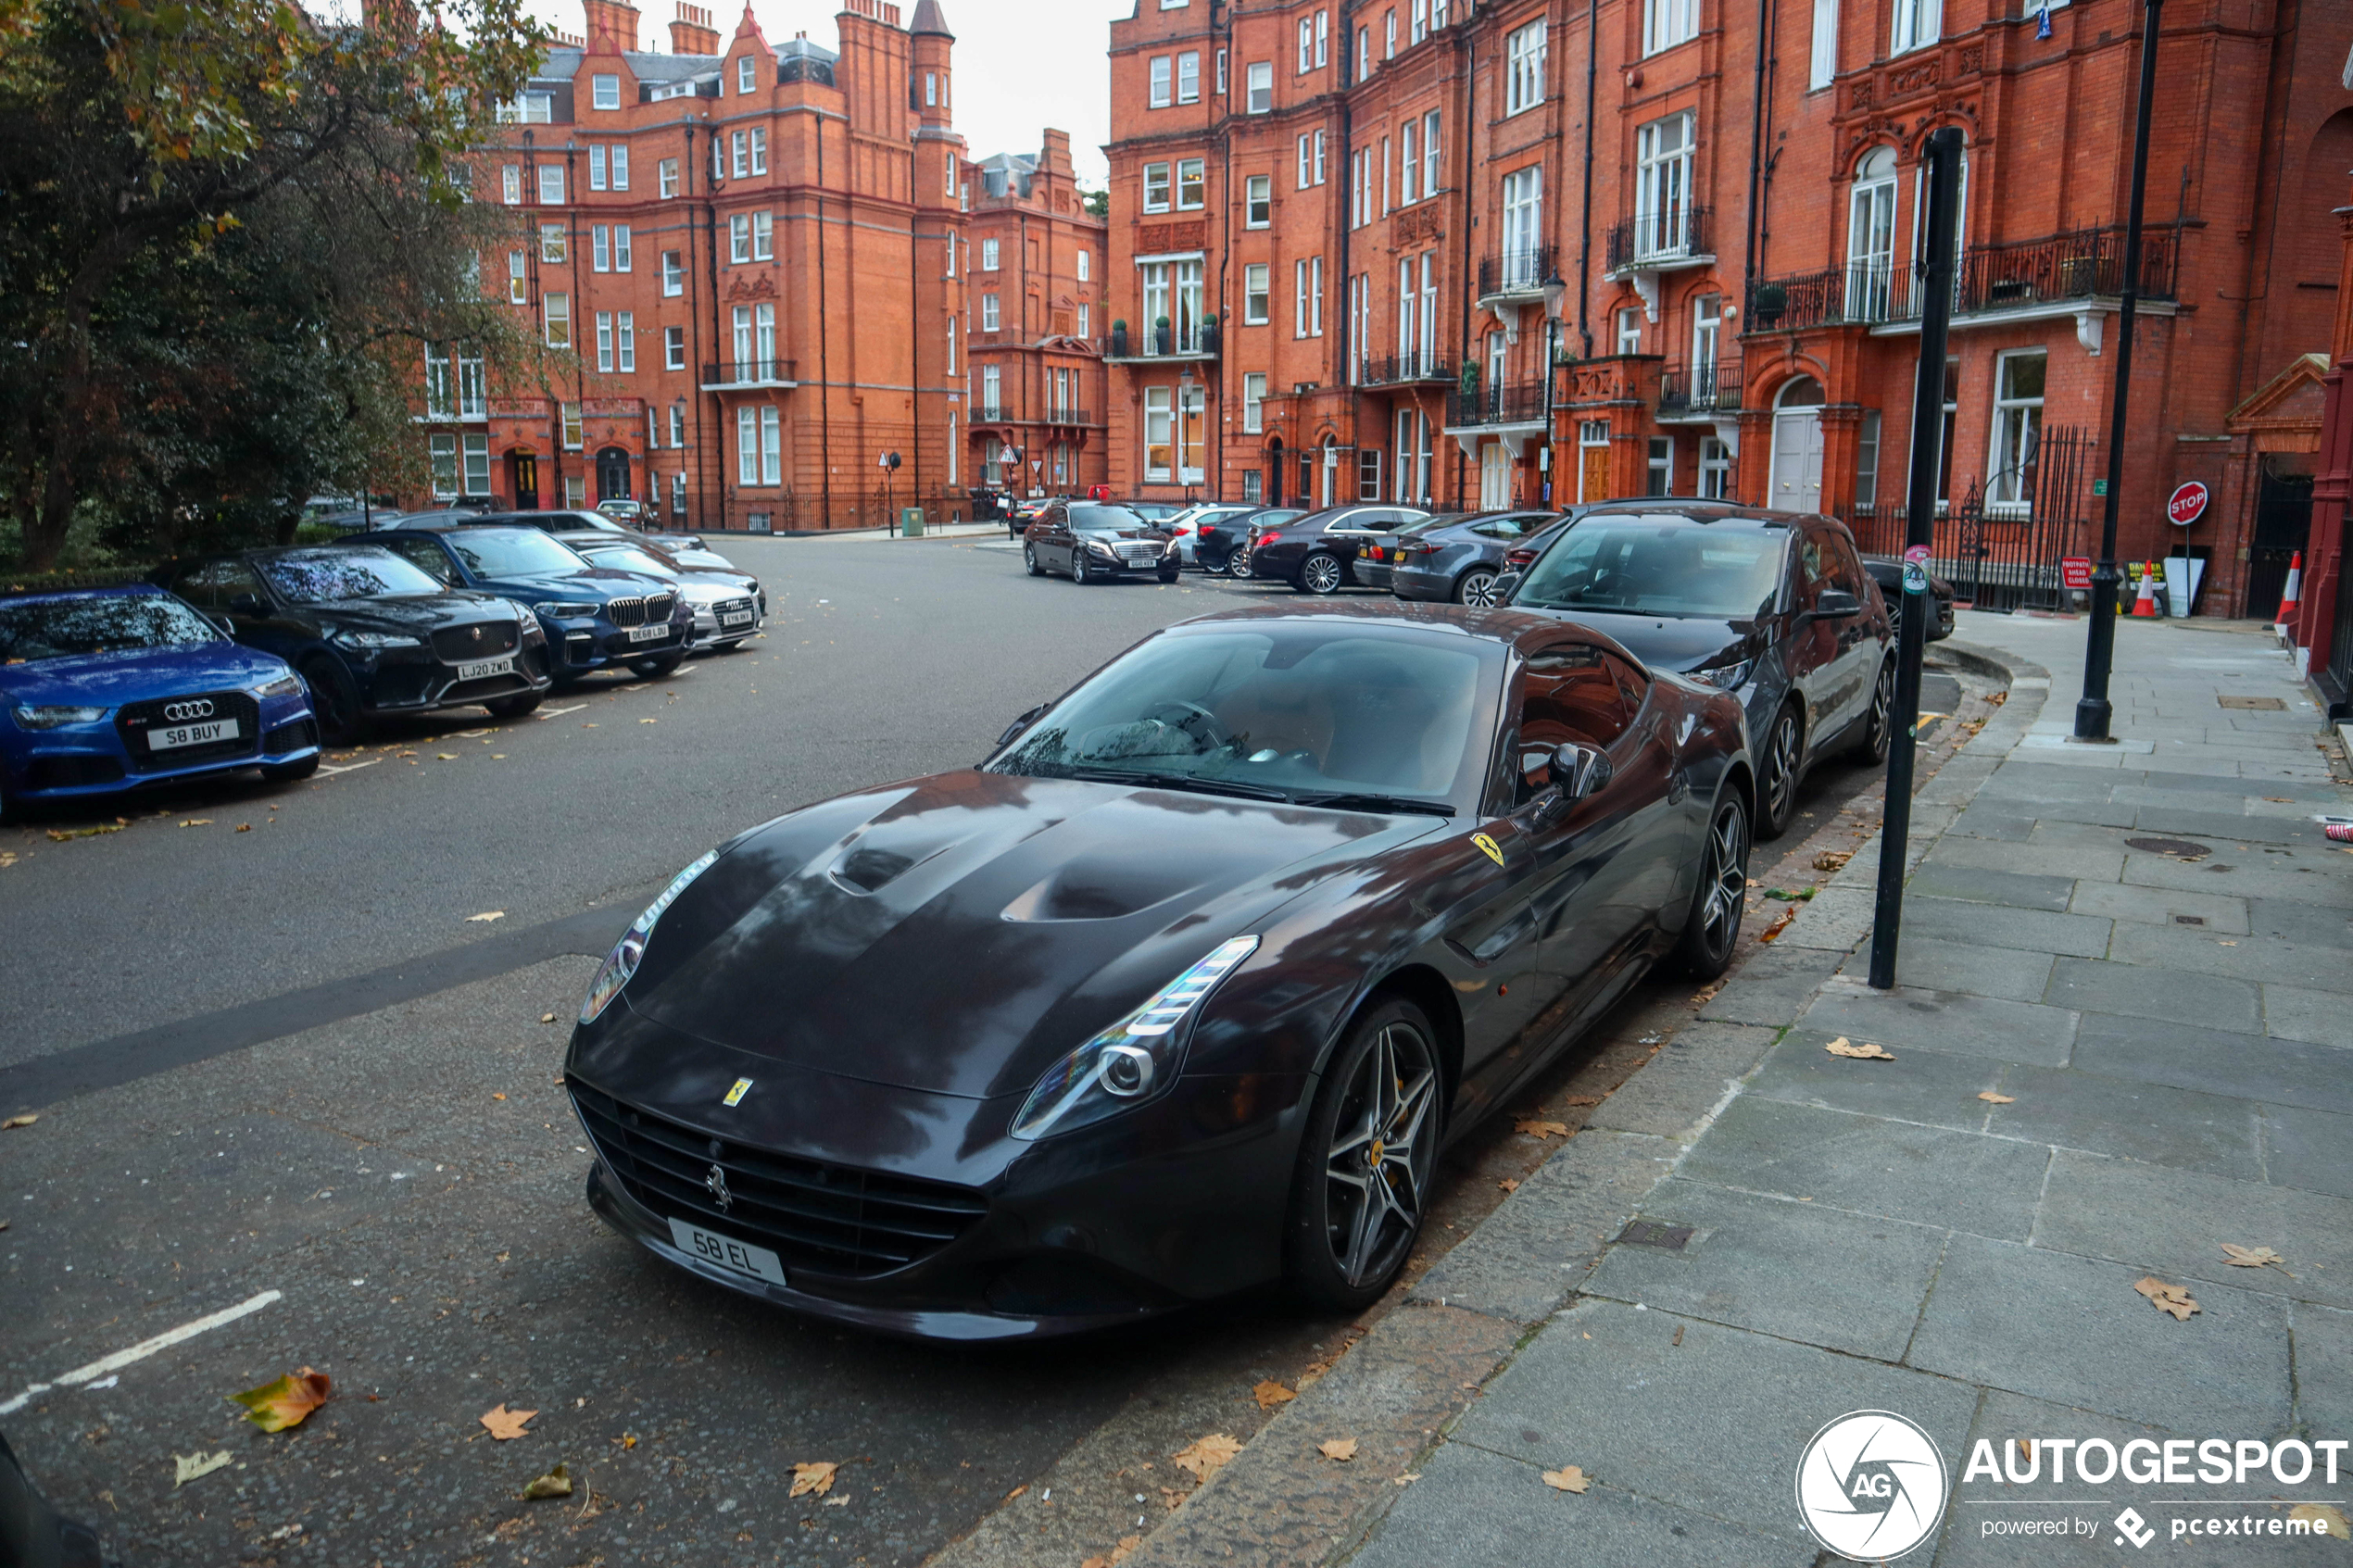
<point>1119,340</point>
<point>1768,304</point>
<point>1209,334</point>
<point>1163,339</point>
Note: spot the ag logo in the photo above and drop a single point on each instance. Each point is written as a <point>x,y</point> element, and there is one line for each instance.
<point>1871,1485</point>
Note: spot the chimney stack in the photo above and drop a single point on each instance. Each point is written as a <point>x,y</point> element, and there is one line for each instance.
<point>692,33</point>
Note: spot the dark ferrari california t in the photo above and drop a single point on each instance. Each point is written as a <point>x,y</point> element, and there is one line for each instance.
<point>1178,993</point>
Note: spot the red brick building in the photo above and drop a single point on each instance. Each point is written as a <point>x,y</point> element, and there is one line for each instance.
<point>1366,225</point>
<point>755,253</point>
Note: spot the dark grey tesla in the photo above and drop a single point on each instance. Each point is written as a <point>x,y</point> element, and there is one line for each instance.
<point>1459,560</point>
<point>1772,606</point>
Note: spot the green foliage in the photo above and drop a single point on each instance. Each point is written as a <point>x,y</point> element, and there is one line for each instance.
<point>230,229</point>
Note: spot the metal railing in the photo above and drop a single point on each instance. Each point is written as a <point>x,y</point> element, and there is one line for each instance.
<point>1002,414</point>
<point>1709,389</point>
<point>749,372</point>
<point>1197,338</point>
<point>1669,234</point>
<point>1390,370</point>
<point>2002,554</point>
<point>1519,404</point>
<point>2085,264</point>
<point>1515,271</point>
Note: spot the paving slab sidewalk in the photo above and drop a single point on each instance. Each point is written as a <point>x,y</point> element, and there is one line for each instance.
<point>2121,1034</point>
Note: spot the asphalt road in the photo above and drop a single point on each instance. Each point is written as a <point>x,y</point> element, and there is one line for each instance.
<point>389,1179</point>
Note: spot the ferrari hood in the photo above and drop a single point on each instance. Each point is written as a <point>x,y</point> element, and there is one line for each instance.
<point>960,933</point>
<point>1664,642</point>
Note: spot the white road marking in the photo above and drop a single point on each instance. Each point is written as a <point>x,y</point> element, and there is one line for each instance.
<point>559,712</point>
<point>350,767</point>
<point>142,1351</point>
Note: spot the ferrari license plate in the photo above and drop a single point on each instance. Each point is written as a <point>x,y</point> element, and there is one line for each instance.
<point>173,737</point>
<point>484,668</point>
<point>650,633</point>
<point>741,1256</point>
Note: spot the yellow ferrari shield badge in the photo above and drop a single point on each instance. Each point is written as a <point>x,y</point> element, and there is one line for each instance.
<point>1486,846</point>
<point>736,1095</point>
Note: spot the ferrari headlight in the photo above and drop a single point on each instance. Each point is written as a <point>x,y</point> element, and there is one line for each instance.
<point>1726,677</point>
<point>50,718</point>
<point>622,962</point>
<point>1128,1060</point>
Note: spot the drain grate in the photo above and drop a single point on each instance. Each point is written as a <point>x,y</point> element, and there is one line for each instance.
<point>2189,920</point>
<point>2260,704</point>
<point>2180,848</point>
<point>1650,1233</point>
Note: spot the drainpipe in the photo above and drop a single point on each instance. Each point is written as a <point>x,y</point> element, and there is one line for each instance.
<point>1755,165</point>
<point>824,364</point>
<point>1585,240</point>
<point>1470,126</point>
<point>1349,347</point>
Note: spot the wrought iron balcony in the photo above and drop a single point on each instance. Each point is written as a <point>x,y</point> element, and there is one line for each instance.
<point>2085,264</point>
<point>731,373</point>
<point>1516,273</point>
<point>1521,402</point>
<point>1196,340</point>
<point>1395,370</point>
<point>1669,237</point>
<point>1699,391</point>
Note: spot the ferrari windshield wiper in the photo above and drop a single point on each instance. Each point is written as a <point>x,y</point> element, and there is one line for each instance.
<point>1178,781</point>
<point>1350,800</point>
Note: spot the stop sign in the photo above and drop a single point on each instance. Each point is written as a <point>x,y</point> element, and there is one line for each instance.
<point>2187,502</point>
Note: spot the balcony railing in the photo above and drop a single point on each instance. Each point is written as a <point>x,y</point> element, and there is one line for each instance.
<point>2086,264</point>
<point>749,372</point>
<point>1002,414</point>
<point>1664,237</point>
<point>1519,404</point>
<point>1705,389</point>
<point>1515,271</point>
<point>1195,340</point>
<point>1393,370</point>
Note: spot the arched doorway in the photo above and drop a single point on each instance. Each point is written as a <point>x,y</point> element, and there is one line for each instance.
<point>1275,470</point>
<point>1330,486</point>
<point>1797,447</point>
<point>612,474</point>
<point>523,479</point>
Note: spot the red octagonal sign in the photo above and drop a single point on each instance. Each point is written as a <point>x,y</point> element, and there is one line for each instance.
<point>2187,504</point>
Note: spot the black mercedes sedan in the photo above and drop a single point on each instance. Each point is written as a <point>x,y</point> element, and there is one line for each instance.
<point>1316,553</point>
<point>1772,606</point>
<point>369,633</point>
<point>1178,993</point>
<point>1459,559</point>
<point>1094,541</point>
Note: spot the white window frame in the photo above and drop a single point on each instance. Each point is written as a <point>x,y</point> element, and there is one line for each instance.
<point>1663,163</point>
<point>1257,291</point>
<point>1659,466</point>
<point>441,454</point>
<point>738,238</point>
<point>1156,174</point>
<point>626,340</point>
<point>747,75</point>
<point>990,254</point>
<point>1085,263</point>
<point>1630,329</point>
<point>604,342</point>
<point>991,312</point>
<point>992,391</point>
<point>1221,73</point>
<point>1193,174</point>
<point>518,278</point>
<point>1917,24</point>
<point>551,184</point>
<point>1307,46</point>
<point>760,149</point>
<point>1161,71</point>
<point>576,435</point>
<point>1871,235</point>
<point>673,275</point>
<point>1259,89</point>
<point>1715,468</point>
<point>1668,22</point>
<point>1323,39</point>
<point>1315,296</point>
<point>674,357</point>
<point>555,315</point>
<point>2016,429</point>
<point>600,248</point>
<point>1431,164</point>
<point>1320,137</point>
<point>1253,402</point>
<point>1301,180</point>
<point>1420,28</point>
<point>1523,224</point>
<point>1188,76</point>
<point>667,170</point>
<point>1869,436</point>
<point>596,166</point>
<point>510,183</point>
<point>604,91</point>
<point>1159,438</point>
<point>1409,164</point>
<point>620,167</point>
<point>764,236</point>
<point>1258,201</point>
<point>475,448</point>
<point>1821,64</point>
<point>1524,69</point>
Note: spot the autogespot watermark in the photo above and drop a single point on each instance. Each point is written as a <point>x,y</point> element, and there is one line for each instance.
<point>1871,1485</point>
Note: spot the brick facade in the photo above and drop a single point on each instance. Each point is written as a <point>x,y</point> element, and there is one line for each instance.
<point>1730,292</point>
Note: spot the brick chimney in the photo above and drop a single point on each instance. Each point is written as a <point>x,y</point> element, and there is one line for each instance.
<point>612,27</point>
<point>692,33</point>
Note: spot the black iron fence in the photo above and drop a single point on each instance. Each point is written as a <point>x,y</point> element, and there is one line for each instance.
<point>749,372</point>
<point>2085,264</point>
<point>1515,404</point>
<point>1703,389</point>
<point>1197,339</point>
<point>1515,271</point>
<point>1669,234</point>
<point>2002,551</point>
<point>1390,370</point>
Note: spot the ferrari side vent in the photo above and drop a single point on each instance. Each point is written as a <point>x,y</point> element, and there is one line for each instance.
<point>819,1217</point>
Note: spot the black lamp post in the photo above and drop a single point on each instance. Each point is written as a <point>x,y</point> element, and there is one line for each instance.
<point>1185,385</point>
<point>1555,298</point>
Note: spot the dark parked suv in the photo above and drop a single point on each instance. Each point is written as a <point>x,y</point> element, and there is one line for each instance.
<point>368,633</point>
<point>1772,606</point>
<point>1315,554</point>
<point>595,618</point>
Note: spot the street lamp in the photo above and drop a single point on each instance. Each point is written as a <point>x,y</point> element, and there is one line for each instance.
<point>1183,428</point>
<point>1556,301</point>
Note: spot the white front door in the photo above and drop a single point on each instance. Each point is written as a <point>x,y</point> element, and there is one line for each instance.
<point>1797,462</point>
<point>1494,477</point>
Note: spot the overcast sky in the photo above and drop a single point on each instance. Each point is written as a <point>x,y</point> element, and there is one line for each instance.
<point>1021,65</point>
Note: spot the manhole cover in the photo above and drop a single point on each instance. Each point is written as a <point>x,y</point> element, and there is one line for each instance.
<point>2180,848</point>
<point>2261,704</point>
<point>1650,1233</point>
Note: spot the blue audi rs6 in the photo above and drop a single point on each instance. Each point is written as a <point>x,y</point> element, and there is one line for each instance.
<point>110,689</point>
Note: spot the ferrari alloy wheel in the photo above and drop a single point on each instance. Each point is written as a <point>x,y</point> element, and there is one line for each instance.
<point>1713,928</point>
<point>1366,1164</point>
<point>1776,795</point>
<point>1477,589</point>
<point>1320,574</point>
<point>1871,746</point>
<point>1030,559</point>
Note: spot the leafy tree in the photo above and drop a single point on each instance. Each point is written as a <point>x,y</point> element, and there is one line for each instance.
<point>228,230</point>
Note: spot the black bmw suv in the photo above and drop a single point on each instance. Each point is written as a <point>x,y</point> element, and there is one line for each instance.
<point>368,633</point>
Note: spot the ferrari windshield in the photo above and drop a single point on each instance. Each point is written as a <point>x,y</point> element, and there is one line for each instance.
<point>36,629</point>
<point>1660,566</point>
<point>1310,714</point>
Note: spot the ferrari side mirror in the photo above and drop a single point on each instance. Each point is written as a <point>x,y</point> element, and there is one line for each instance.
<point>1582,770</point>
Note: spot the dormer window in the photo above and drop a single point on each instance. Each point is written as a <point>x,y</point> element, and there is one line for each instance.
<point>746,74</point>
<point>604,92</point>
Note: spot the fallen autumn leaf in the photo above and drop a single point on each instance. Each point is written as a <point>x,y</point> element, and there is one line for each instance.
<point>815,1476</point>
<point>2167,1298</point>
<point>1540,1131</point>
<point>557,1483</point>
<point>1864,1052</point>
<point>1270,1393</point>
<point>1568,1478</point>
<point>1509,1184</point>
<point>1206,1456</point>
<point>2329,1518</point>
<point>274,1407</point>
<point>1992,1098</point>
<point>25,1121</point>
<point>486,915</point>
<point>2249,1257</point>
<point>189,1467</point>
<point>503,1424</point>
<point>1338,1449</point>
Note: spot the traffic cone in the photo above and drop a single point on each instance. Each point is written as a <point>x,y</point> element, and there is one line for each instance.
<point>2145,604</point>
<point>2287,596</point>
